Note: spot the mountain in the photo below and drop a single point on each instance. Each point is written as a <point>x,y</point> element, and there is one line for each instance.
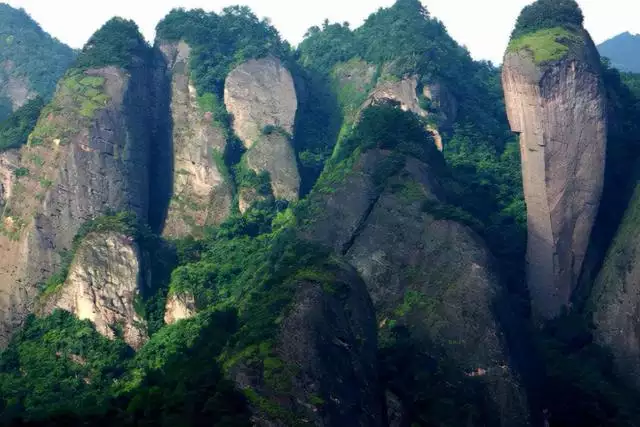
<point>31,61</point>
<point>622,50</point>
<point>220,229</point>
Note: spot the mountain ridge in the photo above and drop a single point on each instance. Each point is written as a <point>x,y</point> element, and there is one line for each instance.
<point>220,229</point>
<point>623,51</point>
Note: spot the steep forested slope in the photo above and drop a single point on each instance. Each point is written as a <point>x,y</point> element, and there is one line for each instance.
<point>237,233</point>
<point>31,61</point>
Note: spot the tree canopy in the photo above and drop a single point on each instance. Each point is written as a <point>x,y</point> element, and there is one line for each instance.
<point>28,51</point>
<point>545,14</point>
<point>118,43</point>
<point>220,42</point>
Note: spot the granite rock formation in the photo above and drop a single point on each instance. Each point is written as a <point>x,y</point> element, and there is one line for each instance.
<point>558,107</point>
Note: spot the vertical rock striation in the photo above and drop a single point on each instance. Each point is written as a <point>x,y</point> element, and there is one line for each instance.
<point>201,192</point>
<point>261,97</point>
<point>557,106</point>
<point>88,155</point>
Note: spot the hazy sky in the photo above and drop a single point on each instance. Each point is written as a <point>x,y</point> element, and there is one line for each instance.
<point>481,25</point>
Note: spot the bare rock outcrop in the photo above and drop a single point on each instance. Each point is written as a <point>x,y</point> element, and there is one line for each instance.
<point>615,297</point>
<point>324,356</point>
<point>405,93</point>
<point>201,194</point>
<point>260,93</point>
<point>178,307</point>
<point>14,87</point>
<point>433,277</point>
<point>558,109</point>
<point>88,155</point>
<point>102,286</point>
<point>261,96</point>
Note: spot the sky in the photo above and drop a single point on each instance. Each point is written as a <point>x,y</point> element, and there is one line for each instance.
<point>483,26</point>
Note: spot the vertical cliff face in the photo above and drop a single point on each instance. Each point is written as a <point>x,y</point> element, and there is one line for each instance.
<point>261,97</point>
<point>615,298</point>
<point>88,155</point>
<point>556,103</point>
<point>103,285</point>
<point>201,192</point>
<point>430,278</point>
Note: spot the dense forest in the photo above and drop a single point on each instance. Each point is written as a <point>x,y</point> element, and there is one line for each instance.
<point>245,274</point>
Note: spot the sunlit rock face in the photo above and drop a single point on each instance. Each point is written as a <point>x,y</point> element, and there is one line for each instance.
<point>558,109</point>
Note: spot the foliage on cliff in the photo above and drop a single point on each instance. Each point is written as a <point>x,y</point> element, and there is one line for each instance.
<point>118,43</point>
<point>59,372</point>
<point>220,42</point>
<point>549,29</point>
<point>547,14</point>
<point>28,51</point>
<point>15,130</point>
<point>480,149</point>
<point>242,273</point>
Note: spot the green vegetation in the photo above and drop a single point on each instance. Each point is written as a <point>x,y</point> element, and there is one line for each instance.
<point>117,43</point>
<point>33,53</point>
<point>221,42</point>
<point>14,132</point>
<point>60,372</point>
<point>78,99</point>
<point>244,274</point>
<point>243,286</point>
<point>56,365</point>
<point>21,172</point>
<point>581,388</point>
<point>546,14</point>
<point>124,222</point>
<point>546,45</point>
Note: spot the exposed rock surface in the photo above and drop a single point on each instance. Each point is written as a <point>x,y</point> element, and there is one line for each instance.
<point>434,276</point>
<point>201,194</point>
<point>13,87</point>
<point>103,285</point>
<point>615,298</point>
<point>274,154</point>
<point>260,93</point>
<point>327,348</point>
<point>80,164</point>
<point>179,307</point>
<point>9,162</point>
<point>405,93</point>
<point>261,96</point>
<point>558,108</point>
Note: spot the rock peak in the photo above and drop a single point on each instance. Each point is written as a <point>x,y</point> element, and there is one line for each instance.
<point>556,101</point>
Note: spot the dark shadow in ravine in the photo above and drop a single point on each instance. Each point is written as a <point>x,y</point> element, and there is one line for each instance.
<point>161,149</point>
<point>621,177</point>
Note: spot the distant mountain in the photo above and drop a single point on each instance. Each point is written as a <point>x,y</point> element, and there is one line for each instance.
<point>31,61</point>
<point>624,51</point>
